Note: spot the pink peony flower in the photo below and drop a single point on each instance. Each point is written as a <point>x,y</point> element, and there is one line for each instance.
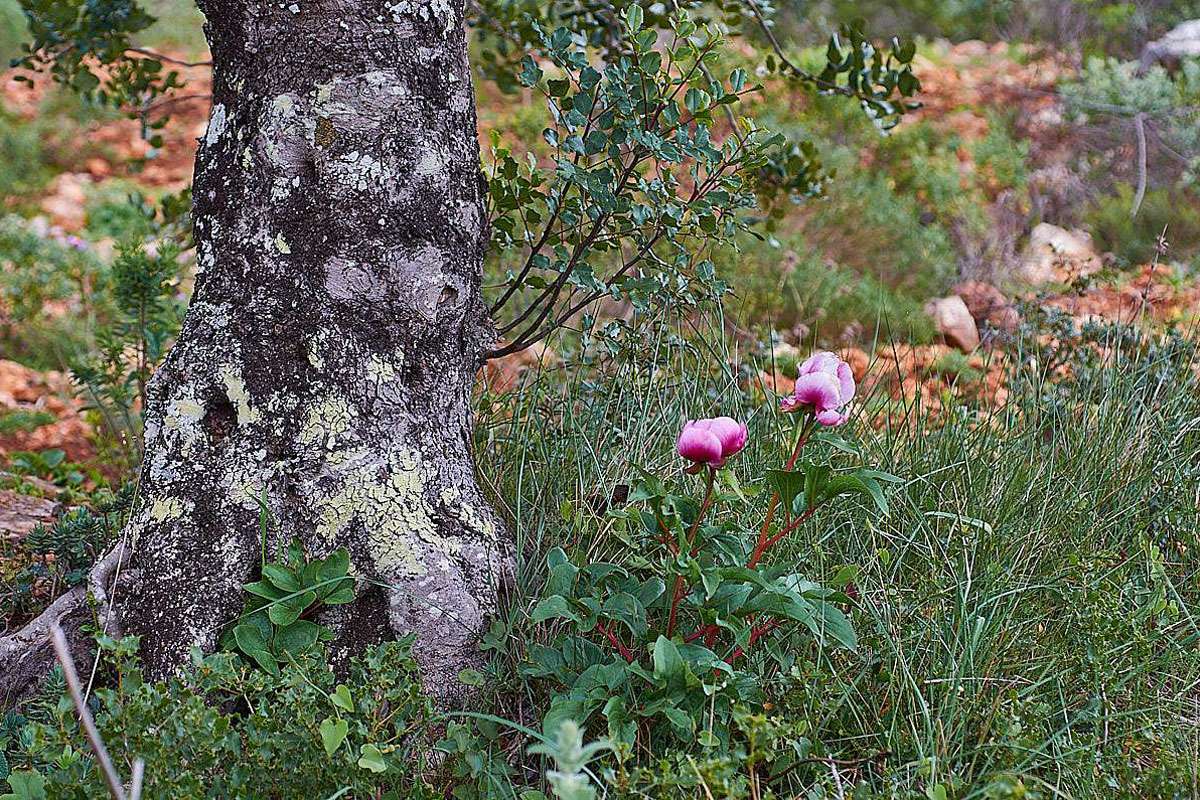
<point>824,387</point>
<point>711,441</point>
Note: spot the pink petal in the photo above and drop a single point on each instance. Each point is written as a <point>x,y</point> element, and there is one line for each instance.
<point>831,418</point>
<point>821,361</point>
<point>845,377</point>
<point>733,434</point>
<point>818,391</point>
<point>697,443</point>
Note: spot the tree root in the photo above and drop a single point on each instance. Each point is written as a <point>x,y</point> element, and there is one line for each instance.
<point>26,657</point>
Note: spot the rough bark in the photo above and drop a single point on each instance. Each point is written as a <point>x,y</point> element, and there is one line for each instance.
<point>326,361</point>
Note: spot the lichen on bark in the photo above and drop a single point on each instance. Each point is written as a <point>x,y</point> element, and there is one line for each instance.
<point>324,368</point>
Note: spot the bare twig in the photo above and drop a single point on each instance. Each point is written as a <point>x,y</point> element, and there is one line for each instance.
<point>1139,126</point>
<point>174,101</point>
<point>135,782</point>
<point>59,640</point>
<point>796,71</point>
<point>141,51</point>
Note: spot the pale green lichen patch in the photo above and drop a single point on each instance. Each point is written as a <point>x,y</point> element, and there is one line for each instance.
<point>235,389</point>
<point>382,370</point>
<point>281,244</point>
<point>387,497</point>
<point>165,509</point>
<point>243,484</point>
<point>471,517</point>
<point>181,419</point>
<point>359,171</point>
<point>316,344</point>
<point>328,420</point>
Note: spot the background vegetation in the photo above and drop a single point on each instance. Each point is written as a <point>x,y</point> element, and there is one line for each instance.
<point>1025,609</point>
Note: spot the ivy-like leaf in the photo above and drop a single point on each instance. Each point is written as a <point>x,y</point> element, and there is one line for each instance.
<point>333,733</point>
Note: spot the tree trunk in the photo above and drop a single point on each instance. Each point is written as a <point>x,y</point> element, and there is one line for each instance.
<point>326,362</point>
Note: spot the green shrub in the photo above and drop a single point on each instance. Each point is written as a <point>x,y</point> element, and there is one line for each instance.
<point>20,420</point>
<point>828,299</point>
<point>225,729</point>
<point>1134,240</point>
<point>23,168</point>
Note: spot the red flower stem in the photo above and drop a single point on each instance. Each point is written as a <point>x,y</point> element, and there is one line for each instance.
<point>678,591</point>
<point>771,541</point>
<point>756,633</point>
<point>625,652</point>
<point>763,537</point>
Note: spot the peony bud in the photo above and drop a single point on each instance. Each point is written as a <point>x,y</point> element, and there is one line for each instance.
<point>824,386</point>
<point>711,441</point>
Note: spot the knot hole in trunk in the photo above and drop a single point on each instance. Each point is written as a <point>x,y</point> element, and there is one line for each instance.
<point>220,418</point>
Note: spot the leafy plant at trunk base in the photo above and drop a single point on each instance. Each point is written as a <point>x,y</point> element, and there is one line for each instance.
<point>276,626</point>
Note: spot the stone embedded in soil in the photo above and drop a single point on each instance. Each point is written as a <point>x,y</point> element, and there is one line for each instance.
<point>954,322</point>
<point>19,513</point>
<point>1057,255</point>
<point>988,305</point>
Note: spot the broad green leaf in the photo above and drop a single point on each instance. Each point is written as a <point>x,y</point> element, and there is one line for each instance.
<point>856,484</point>
<point>471,677</point>
<point>333,733</point>
<point>634,18</point>
<point>668,664</point>
<point>251,642</point>
<point>788,483</point>
<point>335,565</point>
<point>297,637</point>
<point>371,758</point>
<point>562,573</point>
<point>341,698</point>
<point>284,612</point>
<point>26,785</point>
<point>281,577</point>
<point>265,590</point>
<point>343,593</point>
<point>554,607</point>
<point>682,721</point>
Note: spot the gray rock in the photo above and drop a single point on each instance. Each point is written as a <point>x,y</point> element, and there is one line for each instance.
<point>1182,41</point>
<point>954,322</point>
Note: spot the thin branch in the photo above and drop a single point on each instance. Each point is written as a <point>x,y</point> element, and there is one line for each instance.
<point>796,71</point>
<point>555,289</point>
<point>1139,126</point>
<point>59,641</point>
<point>625,652</point>
<point>167,59</point>
<point>171,101</point>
